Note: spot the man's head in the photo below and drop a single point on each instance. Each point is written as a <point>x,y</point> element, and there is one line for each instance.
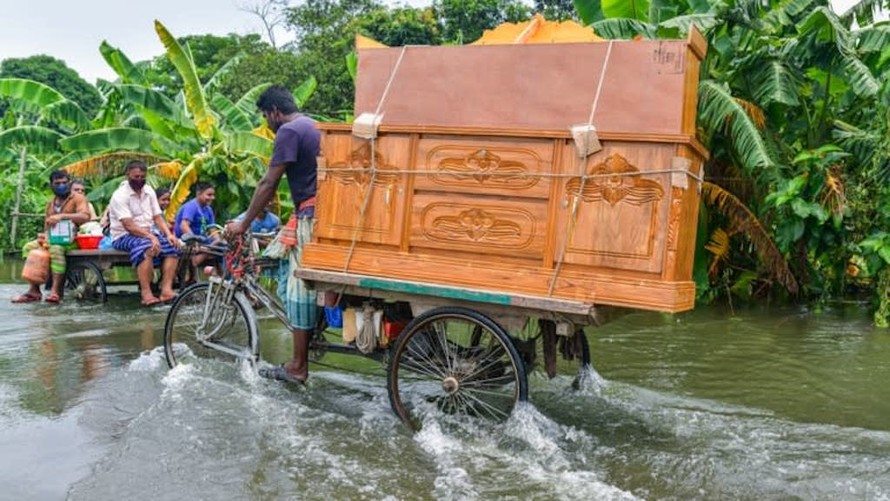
<point>77,186</point>
<point>276,103</point>
<point>60,182</point>
<point>136,170</point>
<point>204,194</point>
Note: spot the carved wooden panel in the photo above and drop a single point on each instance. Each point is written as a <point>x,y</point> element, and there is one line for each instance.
<point>620,214</point>
<point>495,166</point>
<point>347,180</point>
<point>482,225</point>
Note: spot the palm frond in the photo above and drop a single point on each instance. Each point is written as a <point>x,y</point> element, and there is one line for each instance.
<point>718,110</point>
<point>824,25</point>
<point>145,98</point>
<point>745,222</point>
<point>873,38</point>
<point>754,112</point>
<point>718,246</point>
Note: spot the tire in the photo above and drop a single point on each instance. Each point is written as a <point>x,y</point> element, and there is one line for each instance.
<point>84,282</point>
<point>230,332</point>
<point>458,361</point>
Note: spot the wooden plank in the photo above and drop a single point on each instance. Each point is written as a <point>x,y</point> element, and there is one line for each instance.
<point>437,291</point>
<point>574,283</point>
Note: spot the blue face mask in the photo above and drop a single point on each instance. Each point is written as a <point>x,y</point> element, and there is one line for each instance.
<point>61,190</point>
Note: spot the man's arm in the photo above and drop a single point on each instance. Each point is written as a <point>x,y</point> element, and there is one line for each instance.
<point>137,231</point>
<point>265,190</point>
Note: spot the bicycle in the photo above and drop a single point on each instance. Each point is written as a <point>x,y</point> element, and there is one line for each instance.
<point>451,359</point>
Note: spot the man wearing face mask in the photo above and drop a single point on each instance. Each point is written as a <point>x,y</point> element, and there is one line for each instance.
<point>132,210</point>
<point>65,205</point>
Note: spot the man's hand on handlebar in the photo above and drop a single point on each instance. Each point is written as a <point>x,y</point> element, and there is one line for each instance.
<point>235,229</point>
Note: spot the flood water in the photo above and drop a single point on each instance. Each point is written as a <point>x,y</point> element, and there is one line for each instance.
<point>759,404</point>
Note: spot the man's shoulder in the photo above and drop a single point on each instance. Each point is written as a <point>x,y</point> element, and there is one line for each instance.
<point>301,125</point>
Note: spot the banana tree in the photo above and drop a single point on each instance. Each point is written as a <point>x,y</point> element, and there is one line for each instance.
<point>37,119</point>
<point>201,135</point>
<point>776,77</point>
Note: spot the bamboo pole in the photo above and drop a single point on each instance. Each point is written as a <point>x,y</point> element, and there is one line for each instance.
<point>18,195</point>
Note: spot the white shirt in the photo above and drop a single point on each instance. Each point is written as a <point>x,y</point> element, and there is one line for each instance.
<point>126,203</point>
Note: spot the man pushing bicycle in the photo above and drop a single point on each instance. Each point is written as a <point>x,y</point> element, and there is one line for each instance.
<point>296,147</point>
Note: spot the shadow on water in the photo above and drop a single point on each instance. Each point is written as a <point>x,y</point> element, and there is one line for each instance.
<point>764,405</point>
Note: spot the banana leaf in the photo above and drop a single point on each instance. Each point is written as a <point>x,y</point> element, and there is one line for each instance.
<point>195,100</point>
<point>121,139</point>
<point>121,64</point>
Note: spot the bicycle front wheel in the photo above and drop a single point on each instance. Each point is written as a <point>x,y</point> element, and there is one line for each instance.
<point>203,324</point>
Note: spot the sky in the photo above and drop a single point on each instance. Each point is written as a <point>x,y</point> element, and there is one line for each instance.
<point>71,30</point>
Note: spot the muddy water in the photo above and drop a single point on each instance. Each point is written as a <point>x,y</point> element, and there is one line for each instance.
<point>762,404</point>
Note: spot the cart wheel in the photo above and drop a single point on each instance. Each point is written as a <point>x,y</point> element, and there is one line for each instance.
<point>458,361</point>
<point>84,282</point>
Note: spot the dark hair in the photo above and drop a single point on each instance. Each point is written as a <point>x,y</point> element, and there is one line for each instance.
<point>58,174</point>
<point>277,97</point>
<point>163,190</point>
<point>199,187</point>
<point>136,164</point>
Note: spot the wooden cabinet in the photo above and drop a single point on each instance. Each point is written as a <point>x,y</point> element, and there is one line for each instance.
<point>474,178</point>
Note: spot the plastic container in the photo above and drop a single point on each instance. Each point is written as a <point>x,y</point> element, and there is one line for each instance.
<point>62,233</point>
<point>89,241</point>
<point>36,268</point>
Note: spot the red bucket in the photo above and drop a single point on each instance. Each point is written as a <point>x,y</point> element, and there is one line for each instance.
<point>88,242</point>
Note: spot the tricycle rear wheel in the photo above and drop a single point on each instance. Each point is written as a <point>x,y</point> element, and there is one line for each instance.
<point>458,361</point>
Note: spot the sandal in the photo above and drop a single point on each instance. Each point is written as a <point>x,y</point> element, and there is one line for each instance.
<point>279,373</point>
<point>27,298</point>
<point>53,298</point>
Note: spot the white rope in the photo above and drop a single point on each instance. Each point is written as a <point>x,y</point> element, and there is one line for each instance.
<point>367,201</point>
<point>366,337</point>
<point>540,175</point>
<point>582,164</point>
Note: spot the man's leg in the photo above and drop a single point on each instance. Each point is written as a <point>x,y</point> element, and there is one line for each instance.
<point>298,366</point>
<point>58,268</point>
<point>168,269</point>
<point>145,272</point>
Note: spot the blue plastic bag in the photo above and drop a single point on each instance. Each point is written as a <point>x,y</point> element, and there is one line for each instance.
<point>334,316</point>
<point>105,243</point>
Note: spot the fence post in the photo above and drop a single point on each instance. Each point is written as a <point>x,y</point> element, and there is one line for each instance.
<point>18,195</point>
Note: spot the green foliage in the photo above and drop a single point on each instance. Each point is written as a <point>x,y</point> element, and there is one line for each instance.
<point>56,74</point>
<point>463,21</point>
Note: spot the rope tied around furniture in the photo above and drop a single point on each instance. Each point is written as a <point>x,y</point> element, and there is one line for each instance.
<point>368,130</point>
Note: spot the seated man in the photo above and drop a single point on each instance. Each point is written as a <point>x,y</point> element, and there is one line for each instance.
<point>265,222</point>
<point>65,205</point>
<point>132,210</point>
<point>196,217</point>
